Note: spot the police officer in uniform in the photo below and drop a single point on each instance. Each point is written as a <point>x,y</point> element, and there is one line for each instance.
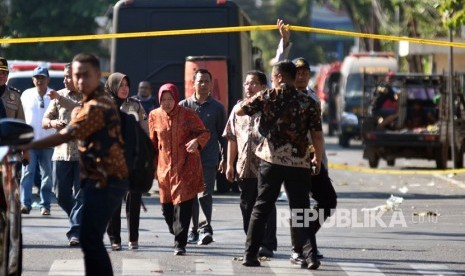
<point>10,105</point>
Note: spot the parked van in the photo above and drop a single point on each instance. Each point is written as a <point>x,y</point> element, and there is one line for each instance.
<point>349,99</point>
<point>20,76</point>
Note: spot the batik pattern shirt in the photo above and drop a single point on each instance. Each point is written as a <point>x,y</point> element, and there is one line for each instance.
<point>97,126</point>
<point>243,130</point>
<point>60,109</point>
<point>179,172</point>
<point>290,115</point>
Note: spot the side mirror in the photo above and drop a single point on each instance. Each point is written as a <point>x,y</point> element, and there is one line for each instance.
<point>15,132</point>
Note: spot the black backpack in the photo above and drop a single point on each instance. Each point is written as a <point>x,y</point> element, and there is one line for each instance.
<point>139,154</point>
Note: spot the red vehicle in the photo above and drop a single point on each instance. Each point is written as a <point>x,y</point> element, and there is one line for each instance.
<point>326,86</point>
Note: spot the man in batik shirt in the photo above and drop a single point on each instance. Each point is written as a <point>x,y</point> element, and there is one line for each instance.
<point>243,137</point>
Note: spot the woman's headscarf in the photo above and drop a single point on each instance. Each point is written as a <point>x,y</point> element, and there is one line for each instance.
<point>172,89</point>
<point>113,84</point>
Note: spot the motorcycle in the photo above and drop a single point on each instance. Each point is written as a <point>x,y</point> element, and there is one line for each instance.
<point>13,132</point>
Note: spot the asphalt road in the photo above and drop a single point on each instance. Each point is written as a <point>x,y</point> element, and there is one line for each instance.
<point>424,236</point>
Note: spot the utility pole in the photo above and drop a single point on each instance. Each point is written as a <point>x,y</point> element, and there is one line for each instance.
<point>451,98</point>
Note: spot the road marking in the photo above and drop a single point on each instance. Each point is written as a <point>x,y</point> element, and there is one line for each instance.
<point>360,269</point>
<point>453,181</point>
<point>67,268</point>
<point>432,269</point>
<point>213,267</point>
<point>141,267</point>
<point>284,267</point>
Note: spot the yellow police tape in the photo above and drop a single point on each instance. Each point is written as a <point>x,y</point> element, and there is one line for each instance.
<point>225,30</point>
<point>397,172</point>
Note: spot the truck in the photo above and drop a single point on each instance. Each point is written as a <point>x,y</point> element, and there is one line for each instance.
<point>418,125</point>
<point>163,59</point>
<point>348,99</point>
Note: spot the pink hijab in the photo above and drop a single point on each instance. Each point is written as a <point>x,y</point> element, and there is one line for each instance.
<point>170,88</point>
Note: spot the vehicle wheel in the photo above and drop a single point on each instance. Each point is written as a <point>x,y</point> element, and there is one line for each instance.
<point>442,156</point>
<point>391,162</point>
<point>344,140</point>
<point>4,237</point>
<point>330,129</point>
<point>373,162</point>
<point>458,162</point>
<point>15,236</point>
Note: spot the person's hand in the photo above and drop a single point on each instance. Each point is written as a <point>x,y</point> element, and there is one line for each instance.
<point>315,166</point>
<point>284,32</point>
<point>230,173</point>
<point>57,124</point>
<point>192,146</point>
<point>53,95</point>
<point>222,167</point>
<point>25,158</point>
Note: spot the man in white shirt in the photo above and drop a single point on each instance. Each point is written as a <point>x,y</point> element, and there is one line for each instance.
<point>35,101</point>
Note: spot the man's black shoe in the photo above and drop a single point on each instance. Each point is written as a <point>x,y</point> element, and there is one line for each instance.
<point>265,252</point>
<point>319,255</point>
<point>313,263</point>
<point>250,262</point>
<point>179,251</point>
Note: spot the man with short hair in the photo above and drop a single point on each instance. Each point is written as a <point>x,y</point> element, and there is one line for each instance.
<point>35,102</point>
<point>322,189</point>
<point>104,171</point>
<point>144,95</point>
<point>213,116</point>
<point>66,156</point>
<point>287,116</point>
<point>243,138</point>
<point>10,104</point>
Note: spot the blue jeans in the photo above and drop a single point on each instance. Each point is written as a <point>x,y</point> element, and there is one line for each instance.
<point>66,178</point>
<point>97,208</point>
<point>42,158</point>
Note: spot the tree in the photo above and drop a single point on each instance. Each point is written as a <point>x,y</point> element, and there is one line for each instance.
<point>36,18</point>
<point>266,12</point>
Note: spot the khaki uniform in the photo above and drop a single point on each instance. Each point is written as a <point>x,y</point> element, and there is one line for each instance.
<point>132,106</point>
<point>12,103</point>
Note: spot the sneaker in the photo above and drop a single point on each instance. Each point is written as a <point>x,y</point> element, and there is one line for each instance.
<point>297,259</point>
<point>133,245</point>
<point>193,237</point>
<point>206,238</point>
<point>45,212</point>
<point>250,262</point>
<point>25,210</point>
<point>265,252</point>
<point>116,246</point>
<point>179,251</point>
<point>74,241</point>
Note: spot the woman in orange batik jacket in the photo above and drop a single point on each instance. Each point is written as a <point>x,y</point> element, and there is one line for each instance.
<point>178,135</point>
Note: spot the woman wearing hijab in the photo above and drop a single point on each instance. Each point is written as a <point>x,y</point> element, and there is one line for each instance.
<point>117,86</point>
<point>178,135</point>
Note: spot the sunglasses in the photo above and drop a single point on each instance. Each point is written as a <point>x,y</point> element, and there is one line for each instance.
<point>41,102</point>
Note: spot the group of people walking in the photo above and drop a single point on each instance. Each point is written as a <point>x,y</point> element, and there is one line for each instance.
<point>272,137</point>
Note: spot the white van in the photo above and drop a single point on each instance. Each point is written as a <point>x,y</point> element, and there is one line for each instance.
<point>20,76</point>
<point>349,99</point>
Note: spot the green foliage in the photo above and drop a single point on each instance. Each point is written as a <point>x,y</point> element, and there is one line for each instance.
<point>37,18</point>
<point>453,13</point>
<point>292,12</point>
